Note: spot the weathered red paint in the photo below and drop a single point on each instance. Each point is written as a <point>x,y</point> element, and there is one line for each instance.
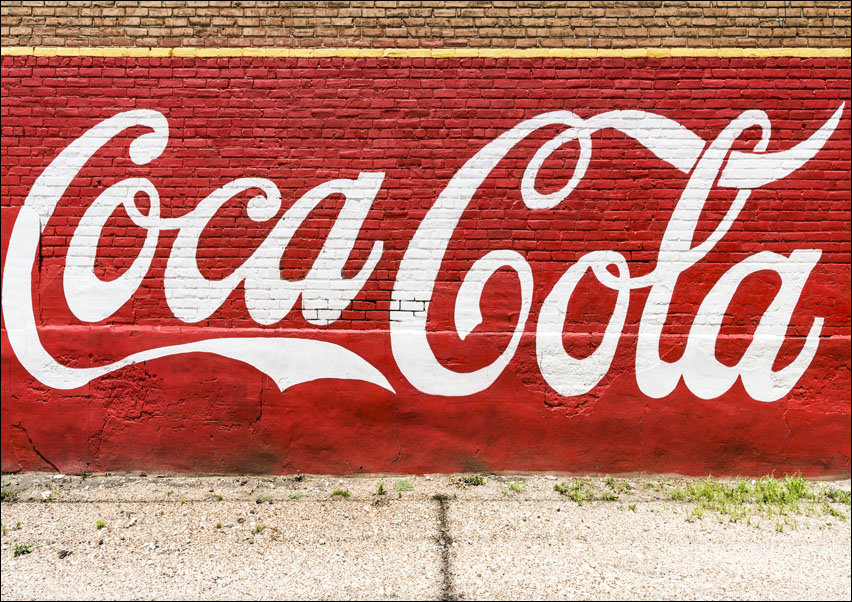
<point>301,122</point>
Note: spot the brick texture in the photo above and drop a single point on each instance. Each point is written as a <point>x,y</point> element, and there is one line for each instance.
<point>415,23</point>
<point>406,264</point>
<point>299,123</point>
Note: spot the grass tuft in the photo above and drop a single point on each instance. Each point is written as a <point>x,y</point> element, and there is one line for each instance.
<point>472,480</point>
<point>767,496</point>
<point>577,490</point>
<point>22,548</point>
<point>7,494</point>
<point>403,485</point>
<point>840,496</point>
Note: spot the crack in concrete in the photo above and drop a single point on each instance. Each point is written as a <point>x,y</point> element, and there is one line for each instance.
<point>444,542</point>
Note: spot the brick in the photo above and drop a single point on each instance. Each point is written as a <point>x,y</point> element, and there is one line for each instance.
<point>515,23</point>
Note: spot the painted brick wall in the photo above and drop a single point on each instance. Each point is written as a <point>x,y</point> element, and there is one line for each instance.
<point>420,263</point>
<point>419,23</point>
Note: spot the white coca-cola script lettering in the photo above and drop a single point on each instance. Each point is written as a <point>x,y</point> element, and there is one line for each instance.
<point>325,292</point>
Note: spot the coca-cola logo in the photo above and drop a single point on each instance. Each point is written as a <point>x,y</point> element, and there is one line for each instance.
<point>325,292</point>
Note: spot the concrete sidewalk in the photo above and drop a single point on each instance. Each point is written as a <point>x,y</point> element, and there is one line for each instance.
<point>167,537</point>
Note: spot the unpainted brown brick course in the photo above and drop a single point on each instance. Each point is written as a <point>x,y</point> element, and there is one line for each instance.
<point>420,23</point>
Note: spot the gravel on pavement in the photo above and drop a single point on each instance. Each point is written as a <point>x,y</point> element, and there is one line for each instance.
<point>132,536</point>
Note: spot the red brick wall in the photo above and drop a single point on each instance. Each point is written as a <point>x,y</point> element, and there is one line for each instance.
<point>203,324</point>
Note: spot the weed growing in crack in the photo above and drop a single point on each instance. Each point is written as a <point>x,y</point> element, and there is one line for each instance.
<point>99,524</point>
<point>340,493</point>
<point>516,486</point>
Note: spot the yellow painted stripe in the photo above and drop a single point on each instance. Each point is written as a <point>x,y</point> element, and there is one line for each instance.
<point>429,52</point>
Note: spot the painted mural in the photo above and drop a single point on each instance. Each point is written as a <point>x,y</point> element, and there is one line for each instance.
<point>411,265</point>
